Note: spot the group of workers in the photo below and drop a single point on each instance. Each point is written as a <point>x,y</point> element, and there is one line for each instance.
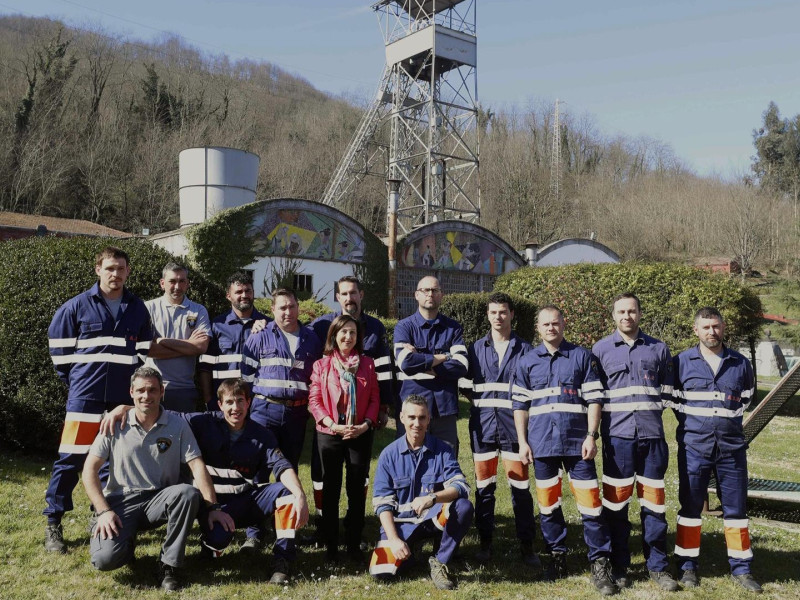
<point>135,417</point>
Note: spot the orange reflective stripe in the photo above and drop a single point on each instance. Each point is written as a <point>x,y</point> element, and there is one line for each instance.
<point>485,469</point>
<point>318,499</point>
<point>382,560</point>
<point>441,518</point>
<point>548,496</point>
<point>515,470</point>
<point>737,538</point>
<point>651,494</point>
<point>688,537</point>
<point>587,497</point>
<point>617,494</point>
<point>285,517</point>
<point>79,433</point>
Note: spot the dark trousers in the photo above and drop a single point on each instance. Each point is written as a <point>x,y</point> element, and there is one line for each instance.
<point>355,455</point>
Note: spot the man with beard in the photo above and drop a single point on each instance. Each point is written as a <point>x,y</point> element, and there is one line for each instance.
<point>229,332</point>
<point>713,387</point>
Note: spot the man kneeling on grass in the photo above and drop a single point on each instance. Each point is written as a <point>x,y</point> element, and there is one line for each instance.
<point>419,492</point>
<point>142,490</point>
<point>240,456</point>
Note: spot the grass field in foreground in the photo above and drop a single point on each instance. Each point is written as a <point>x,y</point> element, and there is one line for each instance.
<point>26,571</point>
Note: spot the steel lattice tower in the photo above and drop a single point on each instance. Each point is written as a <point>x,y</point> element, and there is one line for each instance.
<point>555,157</point>
<point>421,128</point>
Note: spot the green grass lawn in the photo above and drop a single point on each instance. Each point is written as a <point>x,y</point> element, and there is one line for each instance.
<point>26,571</point>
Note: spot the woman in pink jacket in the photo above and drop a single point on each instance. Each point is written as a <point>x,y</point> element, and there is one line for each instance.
<point>344,399</point>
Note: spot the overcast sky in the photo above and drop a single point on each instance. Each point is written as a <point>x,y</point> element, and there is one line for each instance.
<point>696,74</point>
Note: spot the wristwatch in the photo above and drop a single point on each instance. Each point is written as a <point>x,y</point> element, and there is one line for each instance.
<point>433,498</point>
<point>593,434</point>
<point>447,356</point>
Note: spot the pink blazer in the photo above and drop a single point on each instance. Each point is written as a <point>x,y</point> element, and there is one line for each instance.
<point>325,391</point>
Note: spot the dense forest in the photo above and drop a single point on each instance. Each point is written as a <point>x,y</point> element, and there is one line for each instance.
<point>91,126</point>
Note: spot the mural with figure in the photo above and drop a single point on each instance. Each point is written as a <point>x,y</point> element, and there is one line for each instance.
<point>455,250</point>
<point>305,234</point>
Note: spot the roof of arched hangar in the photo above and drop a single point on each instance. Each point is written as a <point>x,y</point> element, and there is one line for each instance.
<point>554,246</point>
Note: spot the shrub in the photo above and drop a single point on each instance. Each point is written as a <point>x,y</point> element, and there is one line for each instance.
<point>470,311</point>
<point>670,295</point>
<point>309,309</point>
<point>37,275</point>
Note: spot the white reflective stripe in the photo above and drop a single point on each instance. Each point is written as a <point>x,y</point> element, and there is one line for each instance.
<point>588,510</point>
<point>667,389</point>
<point>748,393</point>
<point>711,412</point>
<point>282,534</point>
<point>482,483</point>
<point>689,552</point>
<point>656,508</point>
<point>653,483</point>
<point>631,390</point>
<point>62,342</point>
<point>401,357</point>
<point>556,407</point>
<point>632,406</point>
<point>401,508</point>
<point>584,484</point>
<point>402,376</point>
<point>591,386</point>
<point>384,376</point>
<point>687,522</point>
<point>546,510</point>
<point>282,383</point>
<point>74,449</point>
<point>143,345</point>
<point>378,501</point>
<point>458,481</point>
<point>222,358</point>
<point>92,358</point>
<point>520,485</point>
<point>484,456</point>
<point>519,391</point>
<point>618,482</point>
<point>227,473</point>
<point>383,360</point>
<point>230,374</point>
<point>597,395</point>
<point>383,568</point>
<point>736,523</point>
<point>740,553</point>
<point>208,359</point>
<point>462,359</point>
<point>458,348</point>
<point>83,417</point>
<point>704,396</point>
<point>548,483</point>
<point>616,505</point>
<point>104,340</point>
<point>317,484</point>
<point>536,394</point>
<point>284,500</point>
<point>251,362</point>
<point>491,387</point>
<point>465,384</point>
<point>249,378</point>
<point>492,403</point>
<point>512,456</point>
<point>280,362</point>
<point>227,488</point>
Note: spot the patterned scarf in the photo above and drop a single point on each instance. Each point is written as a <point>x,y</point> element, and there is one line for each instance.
<point>346,367</point>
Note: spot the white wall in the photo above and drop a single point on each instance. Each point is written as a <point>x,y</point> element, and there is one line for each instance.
<point>173,242</point>
<point>573,253</point>
<point>325,274</point>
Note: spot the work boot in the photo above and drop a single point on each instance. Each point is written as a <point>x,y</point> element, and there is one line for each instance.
<point>251,545</point>
<point>601,577</point>
<point>557,567</point>
<point>619,575</point>
<point>440,575</point>
<point>168,577</point>
<point>484,555</point>
<point>664,581</point>
<point>280,571</point>
<point>689,579</point>
<point>54,539</point>
<point>747,582</point>
<point>529,556</point>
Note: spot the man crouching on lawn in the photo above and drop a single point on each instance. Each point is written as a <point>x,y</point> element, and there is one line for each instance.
<point>419,492</point>
<point>142,490</point>
<point>240,457</point>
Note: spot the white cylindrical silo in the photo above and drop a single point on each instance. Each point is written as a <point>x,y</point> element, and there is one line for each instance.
<point>212,179</point>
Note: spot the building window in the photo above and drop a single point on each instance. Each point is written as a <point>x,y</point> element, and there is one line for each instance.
<point>303,283</point>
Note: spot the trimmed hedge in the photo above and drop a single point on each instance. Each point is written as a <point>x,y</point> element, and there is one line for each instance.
<point>37,275</point>
<point>670,294</point>
<point>470,311</point>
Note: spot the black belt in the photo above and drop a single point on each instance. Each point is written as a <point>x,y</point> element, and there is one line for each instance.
<point>281,401</point>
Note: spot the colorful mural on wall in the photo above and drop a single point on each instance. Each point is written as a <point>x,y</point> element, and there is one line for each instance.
<point>455,251</point>
<point>305,234</point>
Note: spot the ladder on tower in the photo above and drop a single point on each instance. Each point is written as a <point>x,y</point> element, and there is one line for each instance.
<point>340,183</point>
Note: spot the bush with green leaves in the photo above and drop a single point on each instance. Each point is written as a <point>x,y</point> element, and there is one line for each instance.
<point>37,275</point>
<point>470,311</point>
<point>670,294</point>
